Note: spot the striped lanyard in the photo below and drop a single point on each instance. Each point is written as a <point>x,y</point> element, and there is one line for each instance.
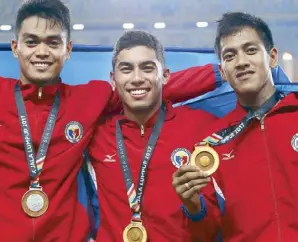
<point>35,163</point>
<point>135,198</point>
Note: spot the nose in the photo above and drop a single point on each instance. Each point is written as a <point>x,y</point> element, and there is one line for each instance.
<point>42,50</point>
<point>137,77</point>
<point>242,61</point>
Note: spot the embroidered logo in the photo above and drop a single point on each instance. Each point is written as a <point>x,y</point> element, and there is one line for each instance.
<point>109,158</point>
<point>73,132</point>
<point>294,142</point>
<point>180,157</point>
<point>228,156</point>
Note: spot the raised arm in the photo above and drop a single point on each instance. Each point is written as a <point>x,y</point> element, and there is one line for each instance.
<point>182,86</point>
<point>192,82</point>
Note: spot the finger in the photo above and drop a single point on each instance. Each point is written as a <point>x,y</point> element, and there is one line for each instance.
<point>191,192</point>
<point>184,169</point>
<point>187,177</point>
<point>189,185</point>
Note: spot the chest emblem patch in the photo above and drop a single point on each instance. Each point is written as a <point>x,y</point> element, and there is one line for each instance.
<point>180,157</point>
<point>73,132</point>
<point>294,142</point>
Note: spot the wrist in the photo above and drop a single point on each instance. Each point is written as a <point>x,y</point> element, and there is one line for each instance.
<point>195,211</point>
<point>193,207</point>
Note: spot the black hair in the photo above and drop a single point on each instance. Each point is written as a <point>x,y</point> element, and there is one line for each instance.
<point>135,38</point>
<point>54,10</point>
<point>231,23</point>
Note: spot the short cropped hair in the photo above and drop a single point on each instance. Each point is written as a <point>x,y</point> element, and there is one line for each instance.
<point>231,23</point>
<point>135,38</point>
<point>53,10</point>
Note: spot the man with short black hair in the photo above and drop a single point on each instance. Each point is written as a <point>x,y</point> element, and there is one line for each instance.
<point>253,195</point>
<point>134,154</point>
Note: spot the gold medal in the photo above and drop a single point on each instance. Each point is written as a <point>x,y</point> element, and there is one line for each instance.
<point>135,232</point>
<point>205,158</point>
<point>35,202</point>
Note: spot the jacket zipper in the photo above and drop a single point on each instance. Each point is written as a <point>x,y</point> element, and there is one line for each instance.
<point>142,130</point>
<point>279,236</point>
<point>40,93</point>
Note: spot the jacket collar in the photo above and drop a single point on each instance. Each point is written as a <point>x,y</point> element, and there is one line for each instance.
<point>39,94</point>
<point>170,114</point>
<point>290,102</point>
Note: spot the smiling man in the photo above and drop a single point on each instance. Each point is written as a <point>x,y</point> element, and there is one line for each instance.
<point>135,154</point>
<point>41,67</point>
<point>253,195</point>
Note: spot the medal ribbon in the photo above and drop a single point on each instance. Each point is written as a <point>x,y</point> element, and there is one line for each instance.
<point>135,198</point>
<point>226,135</point>
<point>35,164</point>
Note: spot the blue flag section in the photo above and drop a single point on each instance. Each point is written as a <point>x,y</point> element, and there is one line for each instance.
<point>95,63</point>
<point>223,100</point>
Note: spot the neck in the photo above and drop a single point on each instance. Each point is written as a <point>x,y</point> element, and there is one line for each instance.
<point>39,83</point>
<point>141,116</point>
<point>255,100</point>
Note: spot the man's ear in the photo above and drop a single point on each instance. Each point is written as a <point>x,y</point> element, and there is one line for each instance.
<point>112,80</point>
<point>273,57</point>
<point>68,49</point>
<point>166,75</point>
<point>14,47</point>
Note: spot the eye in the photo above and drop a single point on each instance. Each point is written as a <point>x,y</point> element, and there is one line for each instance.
<point>125,70</point>
<point>148,69</point>
<point>251,50</point>
<point>54,43</point>
<point>228,57</point>
<point>31,43</point>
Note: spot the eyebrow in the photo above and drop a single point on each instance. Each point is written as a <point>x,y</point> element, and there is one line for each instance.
<point>28,35</point>
<point>242,46</point>
<point>124,63</point>
<point>144,63</point>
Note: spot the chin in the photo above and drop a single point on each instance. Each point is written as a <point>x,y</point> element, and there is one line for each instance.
<point>247,91</point>
<point>140,107</point>
<point>246,88</point>
<point>39,80</point>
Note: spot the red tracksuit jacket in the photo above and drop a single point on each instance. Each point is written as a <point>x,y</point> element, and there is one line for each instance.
<point>66,219</point>
<point>258,177</point>
<point>161,212</point>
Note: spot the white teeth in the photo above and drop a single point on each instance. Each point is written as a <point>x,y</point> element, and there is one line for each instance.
<point>138,92</point>
<point>41,64</point>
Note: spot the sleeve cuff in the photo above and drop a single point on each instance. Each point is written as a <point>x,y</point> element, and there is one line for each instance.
<point>199,216</point>
<point>218,80</point>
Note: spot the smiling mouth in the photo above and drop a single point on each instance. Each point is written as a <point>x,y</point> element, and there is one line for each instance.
<point>138,92</point>
<point>41,65</point>
<point>244,74</point>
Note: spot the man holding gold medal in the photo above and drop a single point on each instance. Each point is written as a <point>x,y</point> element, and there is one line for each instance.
<point>253,194</point>
<point>134,154</point>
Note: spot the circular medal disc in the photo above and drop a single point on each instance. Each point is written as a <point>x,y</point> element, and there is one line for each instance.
<point>35,202</point>
<point>205,158</point>
<point>135,232</point>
